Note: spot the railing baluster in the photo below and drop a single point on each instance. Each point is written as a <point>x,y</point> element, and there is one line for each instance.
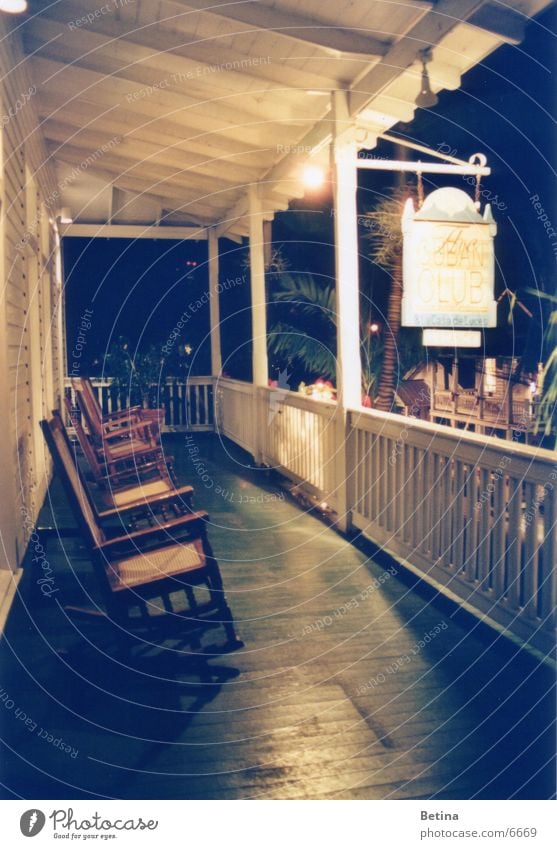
<point>447,506</point>
<point>514,542</point>
<point>484,535</point>
<point>471,523</point>
<point>204,419</point>
<point>529,575</point>
<point>183,405</point>
<point>548,578</point>
<point>499,534</point>
<point>417,495</point>
<point>437,509</point>
<point>459,517</point>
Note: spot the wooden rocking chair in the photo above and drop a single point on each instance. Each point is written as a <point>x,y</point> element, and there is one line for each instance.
<point>141,574</point>
<point>134,420</point>
<point>121,469</point>
<point>117,417</point>
<point>115,454</point>
<point>121,495</point>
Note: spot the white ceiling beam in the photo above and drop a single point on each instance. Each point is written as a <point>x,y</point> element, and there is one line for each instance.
<point>76,82</point>
<point>163,196</point>
<point>154,176</point>
<point>140,84</point>
<point>168,74</point>
<point>293,26</point>
<point>227,171</point>
<point>120,121</point>
<point>180,52</point>
<point>131,231</point>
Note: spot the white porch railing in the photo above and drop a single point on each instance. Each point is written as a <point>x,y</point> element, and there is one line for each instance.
<point>472,514</point>
<point>475,515</point>
<point>299,437</point>
<point>235,412</point>
<point>188,404</point>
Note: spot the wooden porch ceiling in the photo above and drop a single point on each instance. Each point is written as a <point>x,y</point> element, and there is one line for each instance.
<point>169,110</point>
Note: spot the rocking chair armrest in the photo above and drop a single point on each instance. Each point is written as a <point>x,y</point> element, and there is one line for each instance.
<point>133,427</point>
<point>144,503</point>
<point>121,414</point>
<point>145,534</point>
<point>113,479</point>
<point>136,454</point>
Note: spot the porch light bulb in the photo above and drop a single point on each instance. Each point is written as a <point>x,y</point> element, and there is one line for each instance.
<point>66,215</point>
<point>14,7</point>
<point>313,177</point>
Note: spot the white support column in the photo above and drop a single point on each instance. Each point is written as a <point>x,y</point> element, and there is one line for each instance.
<point>349,370</point>
<point>258,293</point>
<point>214,307</point>
<point>260,369</point>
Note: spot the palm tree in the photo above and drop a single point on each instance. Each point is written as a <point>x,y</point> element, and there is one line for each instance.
<point>386,235</point>
<point>306,303</point>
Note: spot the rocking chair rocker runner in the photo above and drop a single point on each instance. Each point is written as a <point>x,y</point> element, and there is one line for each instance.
<point>146,570</point>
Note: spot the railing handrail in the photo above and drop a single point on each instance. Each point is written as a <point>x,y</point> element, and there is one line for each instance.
<point>518,449</point>
<point>193,379</point>
<point>303,402</point>
<point>244,385</point>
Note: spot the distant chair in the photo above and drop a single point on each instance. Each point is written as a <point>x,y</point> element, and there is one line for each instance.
<point>117,419</point>
<point>136,495</point>
<point>142,574</point>
<point>120,472</point>
<point>111,451</point>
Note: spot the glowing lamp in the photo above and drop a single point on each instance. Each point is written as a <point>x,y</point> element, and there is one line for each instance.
<point>313,177</point>
<point>14,7</point>
<point>65,215</point>
<point>426,97</point>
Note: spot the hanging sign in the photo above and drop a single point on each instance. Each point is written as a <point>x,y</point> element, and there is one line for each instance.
<point>442,338</point>
<point>448,263</point>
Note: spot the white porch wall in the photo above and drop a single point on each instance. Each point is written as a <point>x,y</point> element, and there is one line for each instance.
<point>30,347</point>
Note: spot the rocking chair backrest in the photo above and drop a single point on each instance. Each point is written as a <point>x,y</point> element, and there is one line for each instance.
<point>88,409</point>
<point>67,468</point>
<point>87,389</point>
<point>83,440</point>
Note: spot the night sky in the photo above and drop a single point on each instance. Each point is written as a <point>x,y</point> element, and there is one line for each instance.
<point>504,109</point>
